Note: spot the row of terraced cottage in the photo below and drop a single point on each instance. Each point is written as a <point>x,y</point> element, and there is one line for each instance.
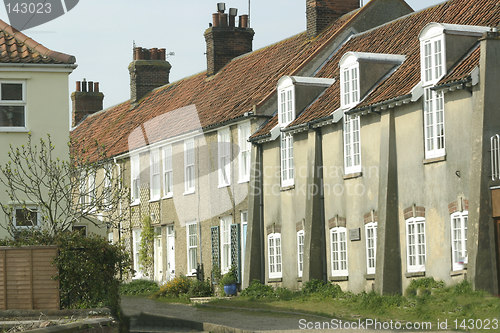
<point>363,151</point>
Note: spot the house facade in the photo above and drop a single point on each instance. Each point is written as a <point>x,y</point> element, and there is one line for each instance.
<point>34,99</point>
<point>389,171</point>
<point>182,148</point>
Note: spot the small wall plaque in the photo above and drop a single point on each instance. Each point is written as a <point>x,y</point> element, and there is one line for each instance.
<point>355,234</point>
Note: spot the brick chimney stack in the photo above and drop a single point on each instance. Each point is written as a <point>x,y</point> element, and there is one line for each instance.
<point>224,40</point>
<point>322,13</point>
<point>148,70</point>
<point>87,99</point>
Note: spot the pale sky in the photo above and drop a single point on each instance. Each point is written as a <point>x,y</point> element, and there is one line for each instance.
<point>100,33</point>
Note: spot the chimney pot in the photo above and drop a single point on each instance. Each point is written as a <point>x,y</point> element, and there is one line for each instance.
<point>243,21</point>
<point>154,54</point>
<point>215,20</point>
<point>233,11</point>
<point>232,14</point>
<point>91,86</point>
<point>78,86</point>
<point>223,20</point>
<point>162,54</point>
<point>96,86</point>
<point>137,53</point>
<point>221,7</point>
<point>84,85</point>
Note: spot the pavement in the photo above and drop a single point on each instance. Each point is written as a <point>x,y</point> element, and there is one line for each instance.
<point>148,315</point>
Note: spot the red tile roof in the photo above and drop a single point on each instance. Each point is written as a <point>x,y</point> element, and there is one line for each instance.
<point>198,102</point>
<point>16,47</point>
<point>463,68</point>
<point>399,37</point>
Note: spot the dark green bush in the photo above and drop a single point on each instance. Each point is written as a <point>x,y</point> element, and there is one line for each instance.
<point>423,286</point>
<point>321,288</point>
<point>89,267</point>
<point>200,289</point>
<point>258,290</point>
<point>139,287</point>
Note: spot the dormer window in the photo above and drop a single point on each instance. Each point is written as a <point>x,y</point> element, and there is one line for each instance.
<point>350,86</point>
<point>286,114</point>
<point>432,59</point>
<point>441,46</point>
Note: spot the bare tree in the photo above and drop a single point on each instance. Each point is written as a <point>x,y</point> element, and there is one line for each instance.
<point>53,194</point>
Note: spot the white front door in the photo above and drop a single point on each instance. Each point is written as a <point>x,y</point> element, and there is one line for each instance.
<point>170,252</point>
<point>158,255</point>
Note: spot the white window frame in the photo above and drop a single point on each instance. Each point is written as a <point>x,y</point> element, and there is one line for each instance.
<point>15,103</point>
<point>415,245</point>
<point>154,175</point>
<point>300,252</point>
<point>135,181</point>
<point>107,188</point>
<point>225,243</point>
<point>91,191</point>
<point>192,247</point>
<point>434,124</point>
<point>371,247</point>
<point>189,166</point>
<point>168,172</point>
<point>459,239</point>
<point>338,251</point>
<point>110,237</point>
<point>495,157</point>
<point>136,245</point>
<point>286,160</point>
<point>286,105</point>
<point>352,144</point>
<point>224,156</point>
<point>274,258</point>
<point>433,63</point>
<point>31,208</point>
<point>244,132</point>
<point>349,85</point>
<point>243,243</point>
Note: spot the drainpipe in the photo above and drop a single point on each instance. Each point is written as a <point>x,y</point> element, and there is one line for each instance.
<point>261,217</point>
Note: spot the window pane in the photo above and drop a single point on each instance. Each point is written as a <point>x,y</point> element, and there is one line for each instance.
<point>26,217</point>
<point>12,116</point>
<point>12,92</point>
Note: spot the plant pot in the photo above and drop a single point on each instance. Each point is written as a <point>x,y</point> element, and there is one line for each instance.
<point>230,289</point>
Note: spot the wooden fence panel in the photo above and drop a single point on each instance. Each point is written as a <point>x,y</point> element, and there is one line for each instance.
<point>26,278</point>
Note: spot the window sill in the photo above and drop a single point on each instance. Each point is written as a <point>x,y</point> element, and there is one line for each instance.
<point>287,188</point>
<point>243,181</point>
<point>370,276</point>
<point>189,192</point>
<point>435,159</point>
<point>154,200</point>
<point>135,203</point>
<point>353,175</point>
<point>168,196</point>
<point>339,278</point>
<point>224,185</point>
<point>414,274</point>
<point>459,272</point>
<point>275,280</point>
<point>14,130</point>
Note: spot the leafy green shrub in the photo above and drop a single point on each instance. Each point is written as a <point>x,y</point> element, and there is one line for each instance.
<point>285,294</point>
<point>175,287</point>
<point>139,287</point>
<point>89,267</point>
<point>463,288</point>
<point>146,252</point>
<point>422,287</point>
<point>258,290</point>
<point>200,289</point>
<point>321,288</point>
